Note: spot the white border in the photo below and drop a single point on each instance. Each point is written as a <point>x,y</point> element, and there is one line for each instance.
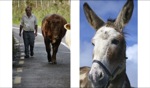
<point>75,44</point>
<point>5,44</point>
<point>144,43</point>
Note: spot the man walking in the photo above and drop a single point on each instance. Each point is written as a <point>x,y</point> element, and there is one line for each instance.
<point>29,26</point>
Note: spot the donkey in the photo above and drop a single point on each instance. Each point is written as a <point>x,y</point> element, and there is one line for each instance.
<point>53,31</point>
<point>108,68</point>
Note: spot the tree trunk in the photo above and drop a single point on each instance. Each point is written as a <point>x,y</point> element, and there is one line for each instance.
<point>41,4</point>
<point>18,3</point>
<point>48,3</point>
<point>69,2</point>
<point>25,3</point>
<point>36,3</point>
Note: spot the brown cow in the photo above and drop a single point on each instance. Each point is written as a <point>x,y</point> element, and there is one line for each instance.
<point>53,31</point>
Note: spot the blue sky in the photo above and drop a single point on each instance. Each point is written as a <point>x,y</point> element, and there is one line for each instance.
<point>109,9</point>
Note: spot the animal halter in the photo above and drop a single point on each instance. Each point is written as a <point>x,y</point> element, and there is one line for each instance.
<point>108,72</point>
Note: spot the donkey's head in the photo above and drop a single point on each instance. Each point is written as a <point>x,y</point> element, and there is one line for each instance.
<point>109,45</point>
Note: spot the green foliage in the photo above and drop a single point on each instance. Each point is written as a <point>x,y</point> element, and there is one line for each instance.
<point>41,8</point>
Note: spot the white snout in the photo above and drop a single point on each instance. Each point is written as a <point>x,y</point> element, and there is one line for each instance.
<point>96,73</point>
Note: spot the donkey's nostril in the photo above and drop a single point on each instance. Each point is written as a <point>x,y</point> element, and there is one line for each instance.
<point>95,77</point>
<point>101,76</point>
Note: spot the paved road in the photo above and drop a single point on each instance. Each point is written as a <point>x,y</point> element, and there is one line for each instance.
<point>36,72</point>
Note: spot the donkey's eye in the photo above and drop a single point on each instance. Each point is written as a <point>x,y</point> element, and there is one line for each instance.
<point>93,44</point>
<point>115,41</point>
<point>93,41</point>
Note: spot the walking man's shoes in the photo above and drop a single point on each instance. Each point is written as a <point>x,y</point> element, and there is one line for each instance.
<point>32,53</point>
<point>27,56</point>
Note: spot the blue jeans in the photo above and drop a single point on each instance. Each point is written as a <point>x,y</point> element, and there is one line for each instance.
<point>28,38</point>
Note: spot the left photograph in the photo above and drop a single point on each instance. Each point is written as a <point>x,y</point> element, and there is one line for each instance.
<point>41,43</point>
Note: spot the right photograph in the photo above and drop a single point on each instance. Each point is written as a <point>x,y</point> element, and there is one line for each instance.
<point>108,44</point>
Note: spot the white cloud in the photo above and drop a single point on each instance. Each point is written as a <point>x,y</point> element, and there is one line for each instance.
<point>131,65</point>
<point>131,69</point>
<point>132,53</point>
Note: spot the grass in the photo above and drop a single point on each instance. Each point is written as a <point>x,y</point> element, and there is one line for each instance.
<point>62,9</point>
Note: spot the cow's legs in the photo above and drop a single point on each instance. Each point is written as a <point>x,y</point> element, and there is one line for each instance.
<point>48,49</point>
<point>55,49</point>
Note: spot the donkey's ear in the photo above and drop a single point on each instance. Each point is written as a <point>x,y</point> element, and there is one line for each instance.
<point>125,14</point>
<point>92,18</point>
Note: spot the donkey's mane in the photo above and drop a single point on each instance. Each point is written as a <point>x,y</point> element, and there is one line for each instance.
<point>110,23</point>
<point>111,20</point>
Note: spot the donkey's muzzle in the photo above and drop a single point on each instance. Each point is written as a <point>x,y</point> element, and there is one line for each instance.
<point>98,78</point>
